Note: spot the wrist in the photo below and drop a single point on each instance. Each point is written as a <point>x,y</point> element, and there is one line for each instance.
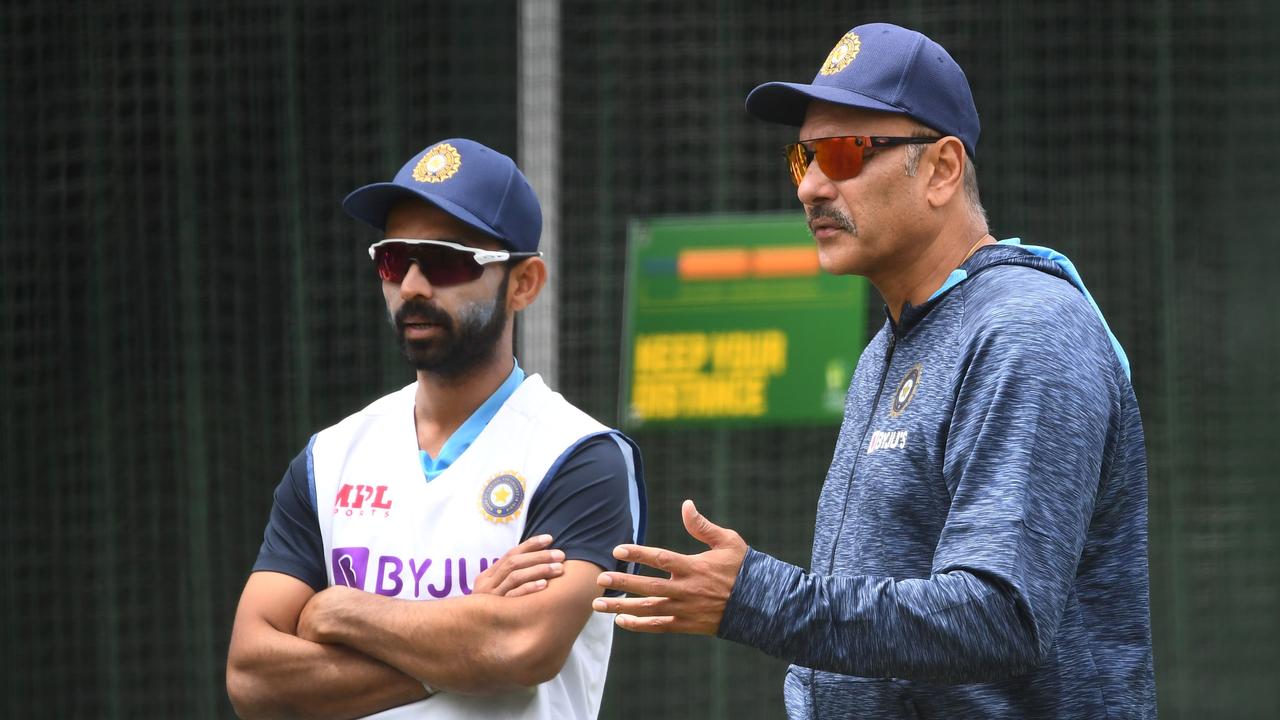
<point>333,614</point>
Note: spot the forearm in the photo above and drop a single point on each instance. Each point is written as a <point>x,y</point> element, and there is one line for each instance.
<point>953,628</point>
<point>275,674</point>
<point>479,644</point>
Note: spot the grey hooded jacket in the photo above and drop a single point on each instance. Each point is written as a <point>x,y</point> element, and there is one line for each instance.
<point>981,538</point>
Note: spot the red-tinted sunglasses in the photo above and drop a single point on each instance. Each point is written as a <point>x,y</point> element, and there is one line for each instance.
<point>840,158</point>
<point>441,262</point>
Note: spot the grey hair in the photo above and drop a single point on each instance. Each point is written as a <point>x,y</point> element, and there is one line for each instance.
<point>970,179</point>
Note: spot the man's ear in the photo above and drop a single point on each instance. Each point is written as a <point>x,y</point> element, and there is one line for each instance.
<point>946,161</point>
<point>527,280</point>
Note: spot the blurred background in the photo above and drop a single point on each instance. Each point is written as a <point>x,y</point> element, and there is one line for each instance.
<point>183,302</point>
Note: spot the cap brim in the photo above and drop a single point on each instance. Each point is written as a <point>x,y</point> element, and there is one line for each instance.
<point>786,103</point>
<point>371,203</point>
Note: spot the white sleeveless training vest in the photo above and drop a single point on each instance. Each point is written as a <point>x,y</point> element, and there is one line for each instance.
<point>387,530</point>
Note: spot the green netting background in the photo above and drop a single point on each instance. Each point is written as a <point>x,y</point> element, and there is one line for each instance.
<point>182,301</point>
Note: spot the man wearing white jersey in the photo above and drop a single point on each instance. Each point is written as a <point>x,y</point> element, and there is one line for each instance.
<point>406,569</point>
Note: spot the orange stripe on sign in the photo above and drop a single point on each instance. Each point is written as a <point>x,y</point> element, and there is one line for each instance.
<point>718,264</point>
<point>737,263</point>
<point>785,262</point>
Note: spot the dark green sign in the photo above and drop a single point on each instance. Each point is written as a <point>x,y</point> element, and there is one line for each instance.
<point>730,320</point>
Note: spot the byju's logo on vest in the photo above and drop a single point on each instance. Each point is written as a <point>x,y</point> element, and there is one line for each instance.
<point>362,501</point>
<point>350,565</point>
<point>424,577</point>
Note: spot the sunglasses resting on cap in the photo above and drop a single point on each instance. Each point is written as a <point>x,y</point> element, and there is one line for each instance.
<point>840,157</point>
<point>441,262</point>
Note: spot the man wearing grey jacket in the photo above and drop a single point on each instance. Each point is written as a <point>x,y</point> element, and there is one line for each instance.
<point>981,538</point>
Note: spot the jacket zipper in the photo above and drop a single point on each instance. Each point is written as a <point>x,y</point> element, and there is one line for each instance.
<point>844,512</point>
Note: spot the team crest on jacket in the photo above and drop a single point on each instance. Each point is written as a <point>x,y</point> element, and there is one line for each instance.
<point>503,496</point>
<point>906,391</point>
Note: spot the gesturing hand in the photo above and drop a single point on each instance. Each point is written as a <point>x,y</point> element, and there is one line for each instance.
<point>692,599</point>
<point>524,569</point>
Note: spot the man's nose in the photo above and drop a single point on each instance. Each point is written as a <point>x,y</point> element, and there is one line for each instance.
<point>815,187</point>
<point>415,283</point>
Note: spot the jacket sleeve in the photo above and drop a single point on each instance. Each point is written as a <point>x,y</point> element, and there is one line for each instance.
<point>1036,402</point>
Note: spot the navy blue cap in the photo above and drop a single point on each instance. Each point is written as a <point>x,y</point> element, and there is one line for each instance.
<point>883,67</point>
<point>475,184</point>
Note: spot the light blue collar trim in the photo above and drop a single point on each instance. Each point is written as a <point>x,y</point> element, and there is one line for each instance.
<point>467,433</point>
<point>956,277</point>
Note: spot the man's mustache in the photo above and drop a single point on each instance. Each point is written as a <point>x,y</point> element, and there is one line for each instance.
<point>422,311</point>
<point>826,212</point>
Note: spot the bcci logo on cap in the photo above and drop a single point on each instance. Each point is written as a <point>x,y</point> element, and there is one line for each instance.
<point>502,497</point>
<point>842,54</point>
<point>437,164</point>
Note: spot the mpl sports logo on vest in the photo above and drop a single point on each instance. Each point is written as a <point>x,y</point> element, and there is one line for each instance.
<point>362,501</point>
<point>427,577</point>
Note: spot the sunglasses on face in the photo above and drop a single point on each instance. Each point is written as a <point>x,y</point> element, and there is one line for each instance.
<point>441,262</point>
<point>840,158</point>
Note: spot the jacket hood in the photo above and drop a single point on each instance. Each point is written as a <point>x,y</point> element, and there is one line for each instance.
<point>1046,260</point>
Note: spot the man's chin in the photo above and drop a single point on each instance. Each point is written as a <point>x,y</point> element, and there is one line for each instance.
<point>423,355</point>
<point>842,261</point>
<point>441,363</point>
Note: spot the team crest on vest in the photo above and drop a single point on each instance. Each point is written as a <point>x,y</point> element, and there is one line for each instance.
<point>503,496</point>
<point>906,390</point>
<point>437,164</point>
<point>842,54</point>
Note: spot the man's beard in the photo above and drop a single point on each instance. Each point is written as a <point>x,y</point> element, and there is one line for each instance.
<point>461,347</point>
